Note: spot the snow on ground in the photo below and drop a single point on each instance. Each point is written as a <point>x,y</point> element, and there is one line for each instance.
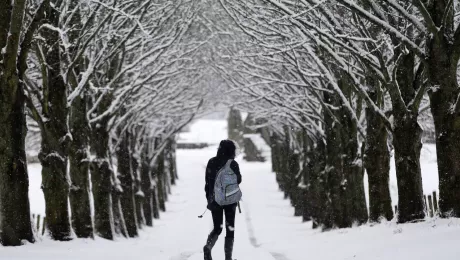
<point>277,231</point>
<point>265,230</point>
<point>205,131</point>
<point>37,200</point>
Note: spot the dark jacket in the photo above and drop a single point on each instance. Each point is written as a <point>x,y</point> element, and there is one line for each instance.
<point>213,167</point>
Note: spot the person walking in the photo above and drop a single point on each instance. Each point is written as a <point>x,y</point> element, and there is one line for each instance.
<point>225,158</point>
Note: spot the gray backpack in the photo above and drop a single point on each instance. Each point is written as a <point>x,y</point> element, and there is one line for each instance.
<point>226,188</point>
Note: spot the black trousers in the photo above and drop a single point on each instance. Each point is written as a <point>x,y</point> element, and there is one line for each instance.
<point>218,219</point>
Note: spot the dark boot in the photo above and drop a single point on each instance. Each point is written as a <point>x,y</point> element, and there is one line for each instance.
<point>228,248</point>
<point>212,239</point>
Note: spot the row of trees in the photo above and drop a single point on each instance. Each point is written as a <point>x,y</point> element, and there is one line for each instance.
<point>341,83</point>
<point>108,85</point>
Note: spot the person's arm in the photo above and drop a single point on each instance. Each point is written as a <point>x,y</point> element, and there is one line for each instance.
<point>236,169</point>
<point>207,180</point>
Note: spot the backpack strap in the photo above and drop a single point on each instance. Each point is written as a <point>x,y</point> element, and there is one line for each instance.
<point>225,166</point>
<point>228,163</point>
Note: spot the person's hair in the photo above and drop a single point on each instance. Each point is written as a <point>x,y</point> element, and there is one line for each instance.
<point>227,149</point>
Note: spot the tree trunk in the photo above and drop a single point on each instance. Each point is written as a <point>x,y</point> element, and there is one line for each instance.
<point>407,141</point>
<point>283,164</point>
<point>146,185</point>
<point>306,172</point>
<point>274,144</point>
<point>407,136</point>
<point>119,225</point>
<point>447,124</point>
<point>161,185</point>
<point>377,163</point>
<point>55,140</point>
<point>337,183</point>
<point>353,170</point>
<point>447,127</point>
<point>127,183</point>
<point>148,208</point>
<point>293,179</point>
<point>101,177</point>
<point>171,158</point>
<point>155,203</point>
<point>445,107</point>
<point>135,169</point>
<point>139,196</point>
<point>79,158</point>
<point>292,173</point>
<point>139,199</point>
<point>103,215</point>
<point>318,196</point>
<point>15,223</point>
<point>235,127</point>
<point>79,170</point>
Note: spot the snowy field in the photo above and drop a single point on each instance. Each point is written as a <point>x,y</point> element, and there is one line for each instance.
<point>266,230</point>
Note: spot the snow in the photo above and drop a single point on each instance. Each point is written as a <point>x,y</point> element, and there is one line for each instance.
<point>37,201</point>
<point>277,231</point>
<point>265,230</point>
<point>261,145</point>
<point>205,131</point>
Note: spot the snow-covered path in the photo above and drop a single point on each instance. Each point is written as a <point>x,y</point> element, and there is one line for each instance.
<point>265,230</point>
<point>178,235</point>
